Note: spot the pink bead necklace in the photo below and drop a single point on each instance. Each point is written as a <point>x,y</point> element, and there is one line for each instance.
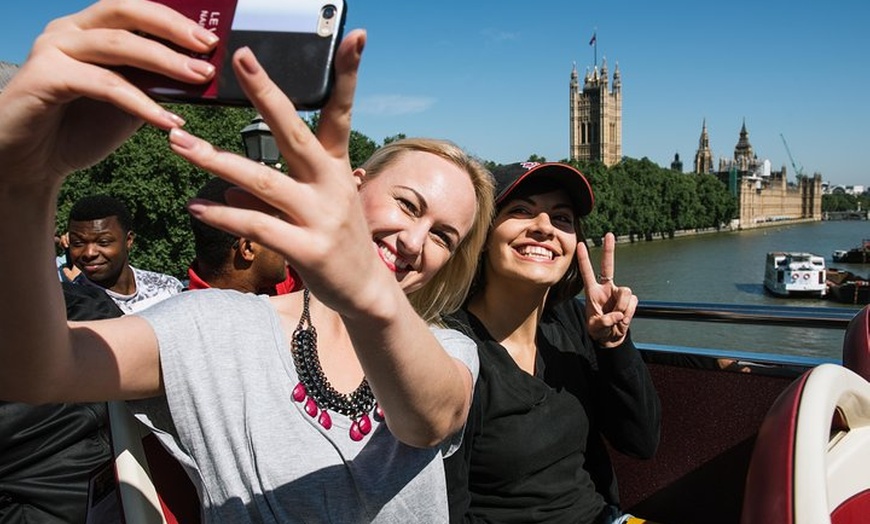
<point>314,389</point>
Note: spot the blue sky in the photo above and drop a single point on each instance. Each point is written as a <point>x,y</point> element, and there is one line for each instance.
<point>493,76</point>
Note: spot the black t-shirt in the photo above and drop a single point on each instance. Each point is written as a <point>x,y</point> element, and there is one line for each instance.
<point>533,448</point>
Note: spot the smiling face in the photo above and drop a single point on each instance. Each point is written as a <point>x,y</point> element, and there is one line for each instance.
<point>100,249</point>
<point>419,209</point>
<point>533,239</point>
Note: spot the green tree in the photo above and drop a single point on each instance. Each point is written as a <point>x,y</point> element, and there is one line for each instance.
<point>635,197</point>
<point>839,201</point>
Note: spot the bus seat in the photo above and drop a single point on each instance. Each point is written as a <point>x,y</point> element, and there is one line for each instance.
<point>809,461</point>
<point>856,344</point>
<point>153,486</point>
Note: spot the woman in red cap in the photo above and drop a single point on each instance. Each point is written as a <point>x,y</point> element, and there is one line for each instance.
<point>556,377</point>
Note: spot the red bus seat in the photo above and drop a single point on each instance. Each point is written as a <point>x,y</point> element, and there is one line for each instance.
<point>809,464</point>
<point>153,486</point>
<point>856,344</point>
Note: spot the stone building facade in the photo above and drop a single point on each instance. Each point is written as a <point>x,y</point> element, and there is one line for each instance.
<point>769,201</point>
<point>596,116</point>
<point>764,197</point>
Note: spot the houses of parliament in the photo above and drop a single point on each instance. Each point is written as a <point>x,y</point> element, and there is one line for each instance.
<point>765,197</point>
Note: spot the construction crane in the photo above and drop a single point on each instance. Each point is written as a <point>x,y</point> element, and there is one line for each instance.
<point>799,171</point>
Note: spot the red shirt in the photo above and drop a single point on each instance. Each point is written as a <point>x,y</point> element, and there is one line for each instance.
<point>290,284</point>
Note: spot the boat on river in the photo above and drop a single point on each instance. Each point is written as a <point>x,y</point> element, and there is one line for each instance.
<point>847,287</point>
<point>790,274</point>
<point>856,255</point>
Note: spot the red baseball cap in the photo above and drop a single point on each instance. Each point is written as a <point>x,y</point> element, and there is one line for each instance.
<point>508,177</point>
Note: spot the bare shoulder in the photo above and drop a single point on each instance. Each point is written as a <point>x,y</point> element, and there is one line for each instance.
<point>115,358</point>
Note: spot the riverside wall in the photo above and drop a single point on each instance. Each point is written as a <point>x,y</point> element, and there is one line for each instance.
<point>729,228</point>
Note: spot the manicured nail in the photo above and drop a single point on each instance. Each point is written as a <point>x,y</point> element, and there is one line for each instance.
<point>175,119</point>
<point>195,208</point>
<point>205,36</point>
<point>201,68</point>
<point>248,61</point>
<point>181,139</point>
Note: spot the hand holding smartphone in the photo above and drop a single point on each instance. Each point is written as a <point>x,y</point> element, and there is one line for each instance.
<point>294,40</point>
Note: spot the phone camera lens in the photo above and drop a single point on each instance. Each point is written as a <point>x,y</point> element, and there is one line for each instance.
<point>328,12</point>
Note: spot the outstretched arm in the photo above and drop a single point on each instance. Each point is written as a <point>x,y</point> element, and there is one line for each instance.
<point>66,109</point>
<point>315,219</point>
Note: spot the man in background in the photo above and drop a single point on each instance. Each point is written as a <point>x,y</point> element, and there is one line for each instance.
<point>100,238</point>
<point>230,262</point>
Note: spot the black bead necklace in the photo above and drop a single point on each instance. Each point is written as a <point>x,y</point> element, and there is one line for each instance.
<point>314,388</point>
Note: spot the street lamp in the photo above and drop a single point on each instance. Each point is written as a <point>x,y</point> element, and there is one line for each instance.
<point>259,143</point>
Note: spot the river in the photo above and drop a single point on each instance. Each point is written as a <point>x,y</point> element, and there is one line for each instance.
<point>728,268</point>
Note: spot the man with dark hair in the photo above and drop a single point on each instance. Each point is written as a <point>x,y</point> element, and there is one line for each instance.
<point>100,238</point>
<point>230,262</point>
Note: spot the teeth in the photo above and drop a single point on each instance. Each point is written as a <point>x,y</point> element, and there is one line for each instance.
<point>536,252</point>
<point>391,258</point>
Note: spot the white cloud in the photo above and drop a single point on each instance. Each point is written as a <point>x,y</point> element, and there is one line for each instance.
<point>496,35</point>
<point>393,105</point>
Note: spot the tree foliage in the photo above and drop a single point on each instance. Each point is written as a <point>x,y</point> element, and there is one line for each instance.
<point>640,199</point>
<point>840,201</point>
<point>635,197</point>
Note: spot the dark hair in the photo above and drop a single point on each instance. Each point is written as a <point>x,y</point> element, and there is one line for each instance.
<point>571,283</point>
<point>96,207</point>
<point>211,245</point>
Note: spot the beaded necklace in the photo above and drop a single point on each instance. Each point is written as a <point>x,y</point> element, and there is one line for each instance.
<point>314,388</point>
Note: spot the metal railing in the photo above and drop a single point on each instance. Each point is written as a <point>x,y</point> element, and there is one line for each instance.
<point>798,316</point>
<point>757,314</point>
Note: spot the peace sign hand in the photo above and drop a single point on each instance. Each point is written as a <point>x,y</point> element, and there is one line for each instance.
<point>609,308</point>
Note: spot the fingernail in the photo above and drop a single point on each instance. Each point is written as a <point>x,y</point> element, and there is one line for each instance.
<point>195,208</point>
<point>175,119</point>
<point>205,36</point>
<point>248,61</point>
<point>181,139</point>
<point>201,68</point>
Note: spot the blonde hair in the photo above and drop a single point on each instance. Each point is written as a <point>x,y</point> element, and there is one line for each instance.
<point>446,291</point>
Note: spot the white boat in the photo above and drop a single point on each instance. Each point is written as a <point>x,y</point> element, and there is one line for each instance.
<point>789,274</point>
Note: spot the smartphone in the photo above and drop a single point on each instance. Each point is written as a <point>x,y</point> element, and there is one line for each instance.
<point>294,40</point>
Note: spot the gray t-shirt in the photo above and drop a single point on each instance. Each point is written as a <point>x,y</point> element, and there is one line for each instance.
<point>252,451</point>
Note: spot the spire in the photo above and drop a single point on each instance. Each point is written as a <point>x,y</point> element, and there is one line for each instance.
<point>704,156</point>
<point>743,154</point>
<point>704,141</point>
<point>617,78</point>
